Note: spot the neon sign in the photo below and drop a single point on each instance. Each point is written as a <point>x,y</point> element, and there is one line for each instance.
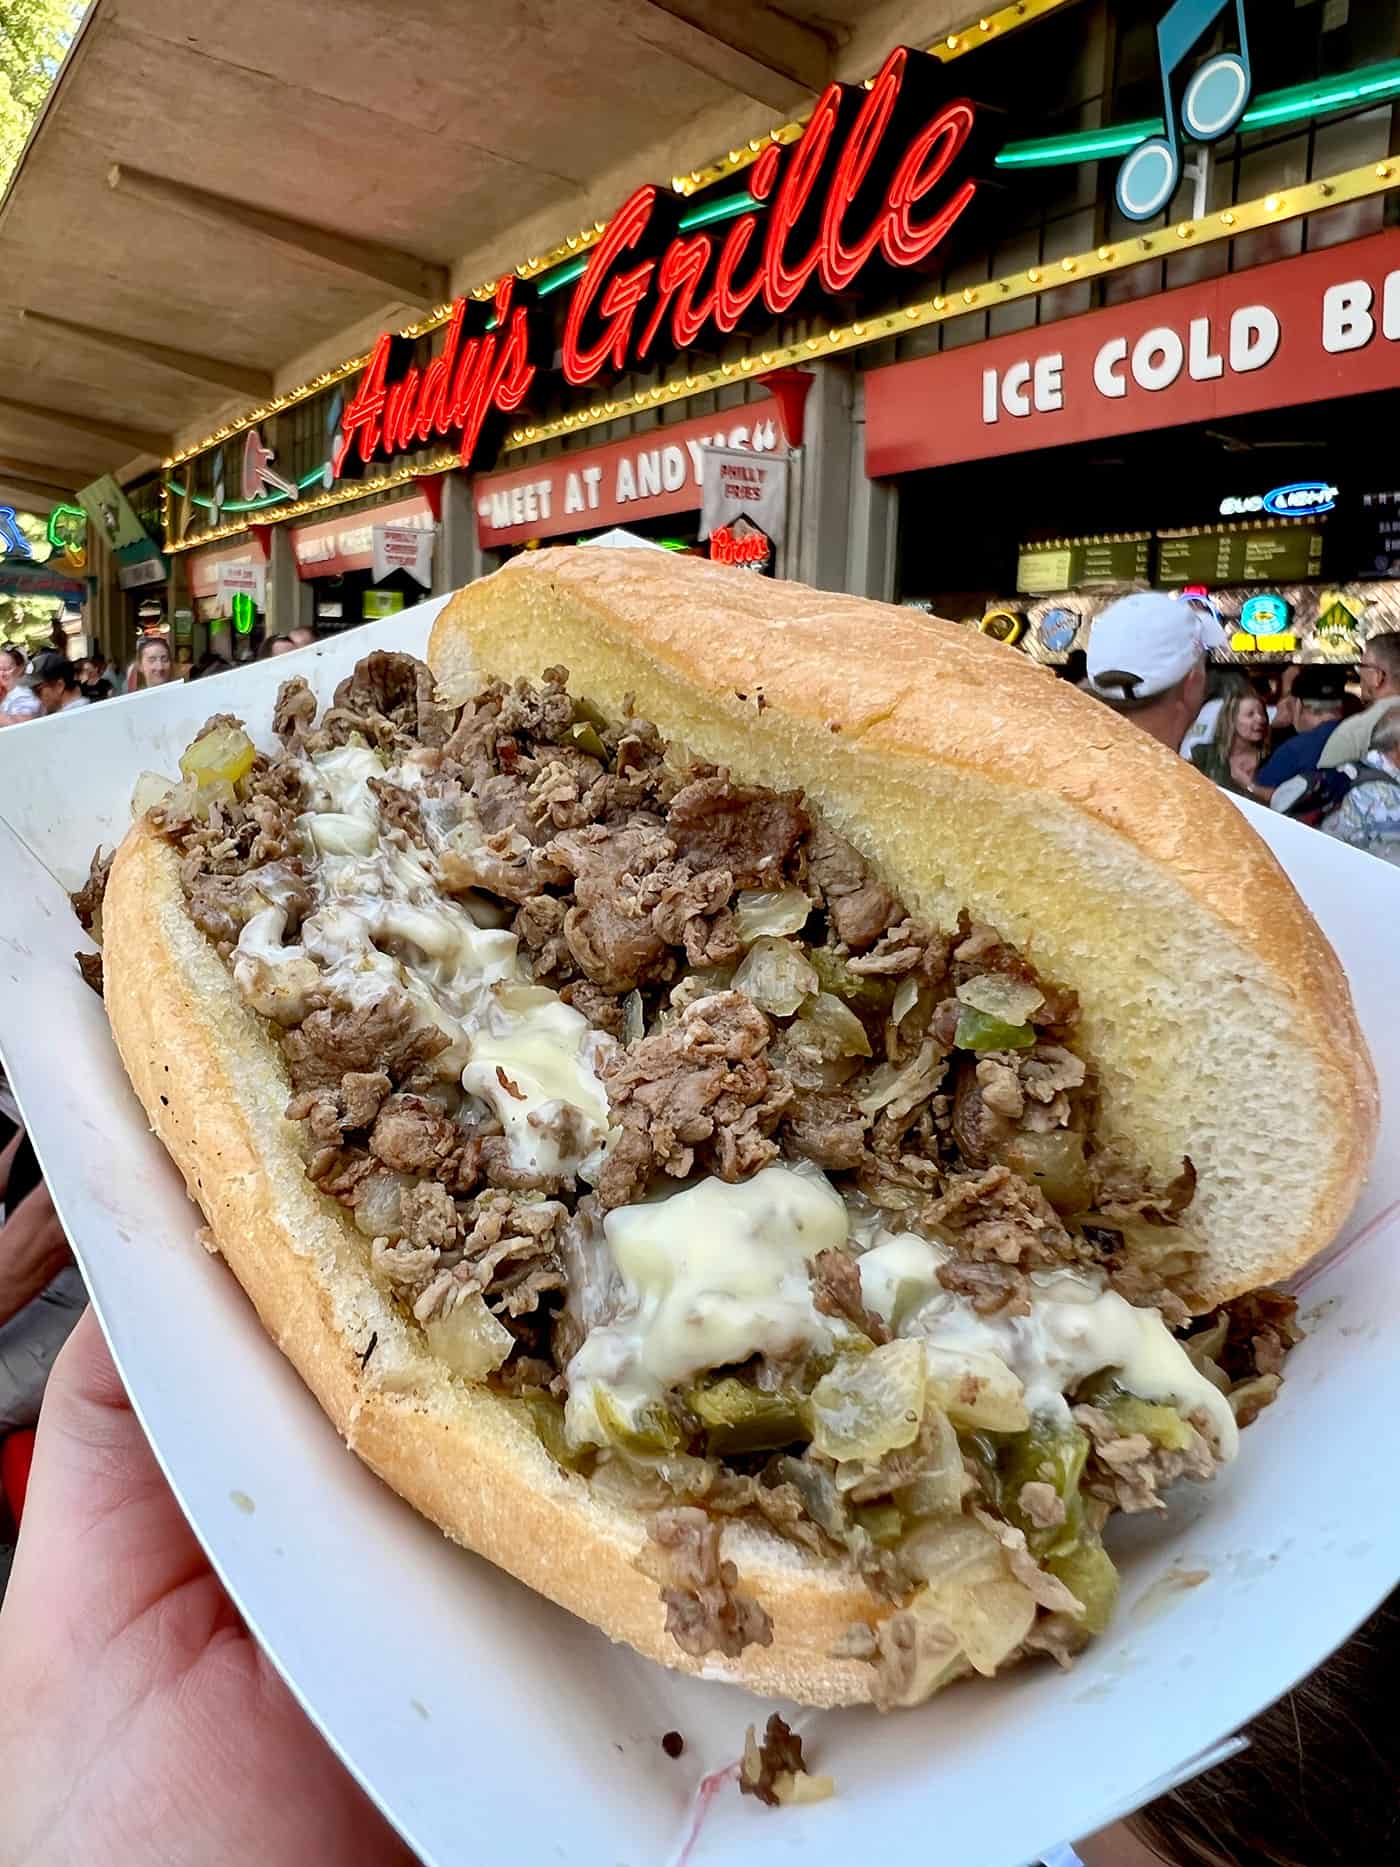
<point>740,544</point>
<point>12,539</point>
<point>1301,498</point>
<point>879,178</point>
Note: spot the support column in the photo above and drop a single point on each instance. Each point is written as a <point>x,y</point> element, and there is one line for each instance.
<point>457,557</point>
<point>872,527</point>
<point>816,552</point>
<point>286,593</point>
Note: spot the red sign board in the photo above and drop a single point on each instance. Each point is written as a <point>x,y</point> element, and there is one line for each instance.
<point>647,476</point>
<point>877,180</point>
<point>1303,330</point>
<point>330,547</point>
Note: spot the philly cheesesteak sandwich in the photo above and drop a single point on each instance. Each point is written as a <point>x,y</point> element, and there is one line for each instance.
<point>735,1100</point>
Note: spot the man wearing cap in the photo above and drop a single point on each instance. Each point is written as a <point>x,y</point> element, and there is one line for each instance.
<point>54,680</point>
<point>1147,660</point>
<point>1319,700</point>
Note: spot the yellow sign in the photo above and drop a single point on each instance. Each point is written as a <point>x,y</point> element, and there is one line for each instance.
<point>1263,644</point>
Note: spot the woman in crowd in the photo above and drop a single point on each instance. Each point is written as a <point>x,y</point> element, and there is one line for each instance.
<point>18,701</point>
<point>153,666</point>
<point>1238,747</point>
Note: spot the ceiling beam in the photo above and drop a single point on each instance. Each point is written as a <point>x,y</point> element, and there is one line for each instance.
<point>137,440</point>
<point>40,473</point>
<point>12,474</point>
<point>755,50</point>
<point>416,281</point>
<point>190,363</point>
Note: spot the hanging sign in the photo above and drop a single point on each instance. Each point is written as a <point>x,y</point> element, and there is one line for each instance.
<point>743,493</point>
<point>330,547</point>
<point>402,547</point>
<point>147,569</point>
<point>377,603</point>
<point>1264,625</point>
<point>878,179</point>
<point>240,580</point>
<point>110,512</point>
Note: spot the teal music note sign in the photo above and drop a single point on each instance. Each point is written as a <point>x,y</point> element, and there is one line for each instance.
<point>1211,103</point>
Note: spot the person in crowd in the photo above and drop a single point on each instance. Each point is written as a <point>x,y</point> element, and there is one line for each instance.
<point>1146,659</point>
<point>139,1719</point>
<point>210,664</point>
<point>1368,817</point>
<point>41,1290</point>
<point>1315,1788</point>
<point>55,680</point>
<point>1283,714</point>
<point>1318,700</point>
<point>18,701</point>
<point>1221,682</point>
<point>301,636</point>
<point>92,678</point>
<point>1235,752</point>
<point>154,664</point>
<point>1379,673</point>
<point>277,645</point>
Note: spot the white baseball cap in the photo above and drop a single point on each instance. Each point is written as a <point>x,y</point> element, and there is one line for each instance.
<point>1154,638</point>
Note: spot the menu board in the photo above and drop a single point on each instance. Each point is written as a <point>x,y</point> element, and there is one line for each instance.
<point>1076,563</point>
<point>1282,554</point>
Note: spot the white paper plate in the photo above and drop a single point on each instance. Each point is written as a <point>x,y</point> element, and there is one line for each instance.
<point>480,1717</point>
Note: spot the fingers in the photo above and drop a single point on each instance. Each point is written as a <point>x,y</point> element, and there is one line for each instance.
<point>102,1537</point>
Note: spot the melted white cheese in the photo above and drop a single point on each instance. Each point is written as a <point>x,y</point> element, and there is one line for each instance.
<point>713,1275</point>
<point>1077,1327</point>
<point>379,923</point>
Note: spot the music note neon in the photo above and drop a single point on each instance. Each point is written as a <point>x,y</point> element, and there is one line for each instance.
<point>1213,100</point>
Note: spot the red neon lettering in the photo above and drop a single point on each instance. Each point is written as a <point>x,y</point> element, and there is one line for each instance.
<point>727,547</point>
<point>906,243</point>
<point>782,283</point>
<point>361,419</point>
<point>619,299</point>
<point>433,403</point>
<point>677,277</point>
<point>840,263</point>
<point>493,373</point>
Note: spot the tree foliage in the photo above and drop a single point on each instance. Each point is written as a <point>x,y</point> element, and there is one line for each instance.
<point>34,35</point>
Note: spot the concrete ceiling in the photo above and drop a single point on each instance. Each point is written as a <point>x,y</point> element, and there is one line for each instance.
<point>421,145</point>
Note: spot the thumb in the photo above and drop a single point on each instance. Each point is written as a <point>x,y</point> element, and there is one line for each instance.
<point>102,1536</point>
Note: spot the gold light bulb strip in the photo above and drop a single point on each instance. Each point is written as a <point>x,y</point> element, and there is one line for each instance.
<point>1132,250</point>
<point>988,26</point>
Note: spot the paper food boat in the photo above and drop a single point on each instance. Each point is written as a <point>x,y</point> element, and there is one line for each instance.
<point>481,1717</point>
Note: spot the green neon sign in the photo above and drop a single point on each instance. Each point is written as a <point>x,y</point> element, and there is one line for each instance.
<point>244,612</point>
<point>1297,104</point>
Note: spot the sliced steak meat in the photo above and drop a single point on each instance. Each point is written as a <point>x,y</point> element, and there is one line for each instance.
<point>509,1254</point>
<point>993,1289</point>
<point>693,911</point>
<point>399,810</point>
<point>609,929</point>
<point>603,1010</point>
<point>397,689</point>
<point>779,1755</point>
<point>87,900</point>
<point>705,1612</point>
<point>1263,1326</point>
<point>429,1217</point>
<point>505,864</point>
<point>827,1129</point>
<point>858,906</point>
<point>749,831</point>
<point>383,1035</point>
<point>1124,1190</point>
<point>700,1093</point>
<point>1128,1471</point>
<point>90,966</point>
<point>332,1113</point>
<point>295,712</point>
<point>411,1135</point>
<point>836,1291</point>
<point>996,1214</point>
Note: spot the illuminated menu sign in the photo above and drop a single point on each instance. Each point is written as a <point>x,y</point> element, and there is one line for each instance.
<point>1079,563</point>
<point>1286,555</point>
